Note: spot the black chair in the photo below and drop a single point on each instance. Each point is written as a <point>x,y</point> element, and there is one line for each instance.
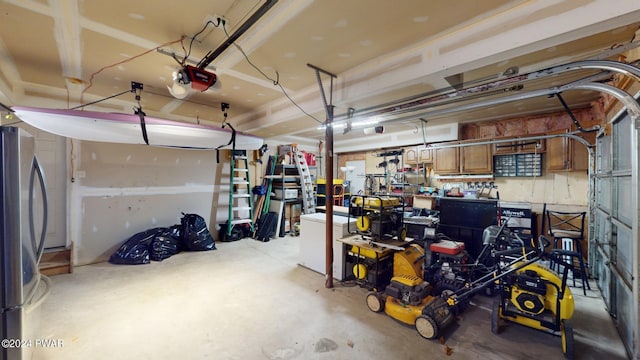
<point>568,225</point>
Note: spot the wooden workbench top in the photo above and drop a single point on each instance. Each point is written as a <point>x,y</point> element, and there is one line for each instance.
<point>357,240</point>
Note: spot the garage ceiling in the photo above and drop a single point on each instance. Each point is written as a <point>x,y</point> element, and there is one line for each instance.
<point>61,54</point>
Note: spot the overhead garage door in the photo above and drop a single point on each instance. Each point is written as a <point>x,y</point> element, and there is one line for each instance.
<point>616,249</point>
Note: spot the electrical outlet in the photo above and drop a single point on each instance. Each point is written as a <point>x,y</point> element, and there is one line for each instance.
<point>81,174</point>
<point>215,19</point>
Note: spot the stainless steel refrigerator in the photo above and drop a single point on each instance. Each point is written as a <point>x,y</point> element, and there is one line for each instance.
<point>23,211</point>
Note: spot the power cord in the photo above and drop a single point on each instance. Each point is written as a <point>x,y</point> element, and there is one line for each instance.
<point>276,81</point>
<point>188,53</point>
<point>124,61</point>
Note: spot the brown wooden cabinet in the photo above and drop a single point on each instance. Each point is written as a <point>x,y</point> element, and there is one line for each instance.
<point>558,154</point>
<point>580,154</point>
<point>532,146</point>
<point>472,159</point>
<point>424,155</point>
<point>411,155</point>
<point>417,155</point>
<point>446,161</point>
<point>505,148</point>
<point>476,159</point>
<point>564,154</point>
<point>519,146</point>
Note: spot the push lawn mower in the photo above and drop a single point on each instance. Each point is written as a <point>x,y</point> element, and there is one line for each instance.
<point>411,300</point>
<point>530,294</point>
<point>448,263</point>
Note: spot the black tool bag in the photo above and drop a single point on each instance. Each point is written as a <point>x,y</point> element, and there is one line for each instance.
<point>267,226</point>
<point>195,234</point>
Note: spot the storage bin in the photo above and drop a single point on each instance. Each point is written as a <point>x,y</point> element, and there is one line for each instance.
<point>286,193</point>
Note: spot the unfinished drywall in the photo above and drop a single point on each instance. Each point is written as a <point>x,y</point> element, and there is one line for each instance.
<point>119,190</point>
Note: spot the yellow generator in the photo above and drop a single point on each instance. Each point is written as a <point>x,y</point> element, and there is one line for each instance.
<point>378,217</point>
<point>371,269</point>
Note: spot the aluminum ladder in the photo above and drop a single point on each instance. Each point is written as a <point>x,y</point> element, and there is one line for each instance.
<point>239,180</point>
<point>306,183</point>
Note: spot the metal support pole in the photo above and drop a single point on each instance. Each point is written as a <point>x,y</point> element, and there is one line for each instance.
<point>329,165</point>
<point>329,199</point>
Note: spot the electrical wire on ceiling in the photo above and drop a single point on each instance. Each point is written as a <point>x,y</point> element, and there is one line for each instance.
<point>276,81</point>
<point>187,53</point>
<point>125,61</point>
<point>181,62</point>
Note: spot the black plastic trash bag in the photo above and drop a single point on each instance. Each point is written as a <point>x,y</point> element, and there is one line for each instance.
<point>135,250</point>
<point>195,235</point>
<point>166,243</point>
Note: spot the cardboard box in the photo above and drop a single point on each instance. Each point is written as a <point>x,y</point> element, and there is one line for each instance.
<point>286,149</point>
<point>296,210</point>
<point>424,202</point>
<point>287,211</point>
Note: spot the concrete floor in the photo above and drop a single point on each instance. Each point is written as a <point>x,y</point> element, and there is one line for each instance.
<point>250,300</point>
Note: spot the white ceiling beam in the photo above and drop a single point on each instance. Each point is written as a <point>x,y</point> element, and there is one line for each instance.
<point>67,35</point>
<point>9,72</point>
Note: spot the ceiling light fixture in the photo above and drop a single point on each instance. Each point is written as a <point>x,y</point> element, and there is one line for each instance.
<point>348,124</point>
<point>374,130</point>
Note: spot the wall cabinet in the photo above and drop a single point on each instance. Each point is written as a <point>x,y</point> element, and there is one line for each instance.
<point>472,159</point>
<point>564,154</point>
<point>446,161</point>
<point>417,155</point>
<point>580,154</point>
<point>424,155</point>
<point>476,159</point>
<point>519,146</point>
<point>558,154</point>
<point>411,155</point>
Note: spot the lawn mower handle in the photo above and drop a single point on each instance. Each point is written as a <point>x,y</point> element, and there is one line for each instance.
<point>490,278</point>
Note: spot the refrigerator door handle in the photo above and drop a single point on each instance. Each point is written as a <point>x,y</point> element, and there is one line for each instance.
<point>38,247</point>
